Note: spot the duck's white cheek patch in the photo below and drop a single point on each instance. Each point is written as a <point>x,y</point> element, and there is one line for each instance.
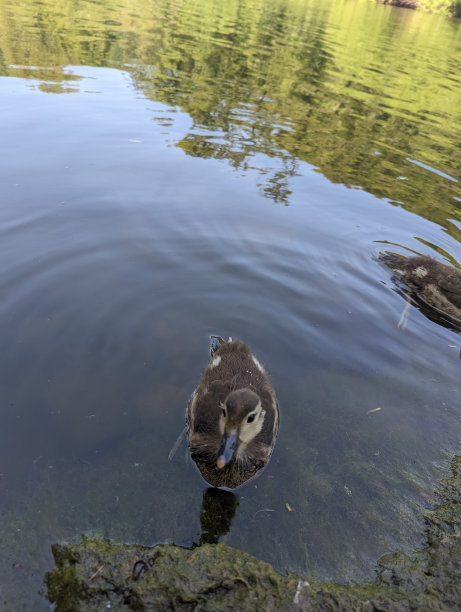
<point>216,361</point>
<point>258,365</point>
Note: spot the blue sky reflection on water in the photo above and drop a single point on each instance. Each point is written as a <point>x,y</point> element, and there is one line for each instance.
<point>124,250</point>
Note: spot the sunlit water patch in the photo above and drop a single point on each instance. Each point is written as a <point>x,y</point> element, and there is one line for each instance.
<point>230,169</point>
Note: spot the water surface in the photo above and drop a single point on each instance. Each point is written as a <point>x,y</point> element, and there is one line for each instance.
<point>177,169</point>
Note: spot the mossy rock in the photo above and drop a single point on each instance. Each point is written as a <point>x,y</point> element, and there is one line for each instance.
<point>96,575</point>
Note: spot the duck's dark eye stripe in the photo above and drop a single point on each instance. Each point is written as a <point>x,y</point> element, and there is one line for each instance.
<point>224,412</point>
<point>251,418</point>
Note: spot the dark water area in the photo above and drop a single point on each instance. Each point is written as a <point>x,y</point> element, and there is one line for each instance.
<point>176,169</point>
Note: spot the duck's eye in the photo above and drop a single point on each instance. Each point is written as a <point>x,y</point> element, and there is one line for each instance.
<point>251,417</point>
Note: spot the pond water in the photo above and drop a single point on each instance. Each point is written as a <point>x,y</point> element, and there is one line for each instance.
<point>174,169</point>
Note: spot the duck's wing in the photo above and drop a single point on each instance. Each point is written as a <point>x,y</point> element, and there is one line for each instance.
<point>451,283</point>
<point>204,407</point>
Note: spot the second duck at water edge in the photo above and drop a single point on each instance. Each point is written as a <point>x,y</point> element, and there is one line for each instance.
<point>436,284</point>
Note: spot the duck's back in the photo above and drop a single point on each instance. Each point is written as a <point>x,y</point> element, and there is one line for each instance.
<point>235,364</point>
<point>438,284</point>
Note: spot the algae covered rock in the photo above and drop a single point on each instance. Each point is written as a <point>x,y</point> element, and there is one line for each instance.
<point>97,575</point>
<point>433,575</point>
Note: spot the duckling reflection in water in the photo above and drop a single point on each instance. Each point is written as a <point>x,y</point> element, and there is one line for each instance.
<point>232,418</point>
<point>218,510</point>
<point>436,284</point>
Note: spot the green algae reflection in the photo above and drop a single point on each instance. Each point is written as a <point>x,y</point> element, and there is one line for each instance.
<point>367,94</point>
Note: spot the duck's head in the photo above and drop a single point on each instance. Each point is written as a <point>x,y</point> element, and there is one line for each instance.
<point>241,420</point>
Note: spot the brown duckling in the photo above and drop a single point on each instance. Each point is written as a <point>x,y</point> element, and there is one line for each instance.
<point>436,284</point>
<point>232,418</point>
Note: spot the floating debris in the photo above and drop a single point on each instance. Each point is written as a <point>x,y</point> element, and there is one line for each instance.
<point>263,510</point>
<point>97,572</point>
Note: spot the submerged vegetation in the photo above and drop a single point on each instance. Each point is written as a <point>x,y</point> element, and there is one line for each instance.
<point>96,574</point>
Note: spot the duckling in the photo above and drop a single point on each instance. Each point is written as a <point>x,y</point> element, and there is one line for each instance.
<point>232,418</point>
<point>436,284</point>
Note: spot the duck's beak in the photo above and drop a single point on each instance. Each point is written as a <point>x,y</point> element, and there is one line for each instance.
<point>227,449</point>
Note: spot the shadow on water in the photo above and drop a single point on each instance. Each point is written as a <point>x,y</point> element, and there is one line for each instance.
<point>216,514</point>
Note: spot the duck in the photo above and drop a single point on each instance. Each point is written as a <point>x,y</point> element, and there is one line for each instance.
<point>232,418</point>
<point>437,284</point>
